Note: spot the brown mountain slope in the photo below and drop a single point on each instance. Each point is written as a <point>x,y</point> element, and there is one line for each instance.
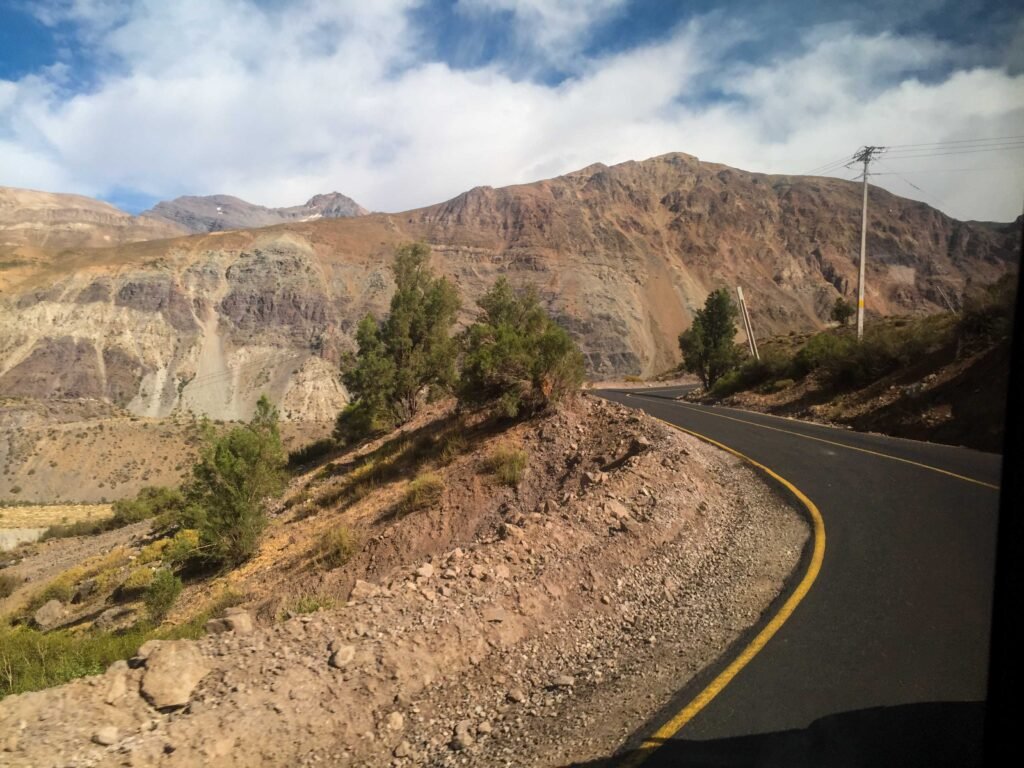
<point>49,220</point>
<point>622,255</point>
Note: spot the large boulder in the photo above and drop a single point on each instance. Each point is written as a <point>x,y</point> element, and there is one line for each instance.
<point>49,615</point>
<point>173,670</point>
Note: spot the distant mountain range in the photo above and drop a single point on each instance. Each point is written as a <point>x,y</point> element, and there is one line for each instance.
<point>56,220</point>
<point>215,213</point>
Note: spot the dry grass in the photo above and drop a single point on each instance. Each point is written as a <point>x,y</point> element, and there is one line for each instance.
<point>336,547</point>
<point>45,515</point>
<point>423,492</point>
<point>507,465</point>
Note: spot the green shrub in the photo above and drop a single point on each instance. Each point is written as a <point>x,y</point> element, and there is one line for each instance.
<point>336,548</point>
<point>727,384</point>
<point>779,385</point>
<point>408,354</point>
<point>153,551</point>
<point>423,492</point>
<point>707,345</point>
<point>751,374</point>
<point>164,504</point>
<point>988,315</point>
<point>507,465</point>
<point>161,593</point>
<point>236,473</point>
<point>32,660</point>
<point>315,450</point>
<point>139,579</point>
<point>516,356</point>
<point>183,547</point>
<point>822,350</point>
<point>358,421</point>
<point>842,311</point>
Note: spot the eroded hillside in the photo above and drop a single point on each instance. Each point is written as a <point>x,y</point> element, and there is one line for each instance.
<point>621,256</point>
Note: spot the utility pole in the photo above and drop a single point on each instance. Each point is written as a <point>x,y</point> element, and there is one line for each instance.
<point>864,155</point>
<point>747,327</point>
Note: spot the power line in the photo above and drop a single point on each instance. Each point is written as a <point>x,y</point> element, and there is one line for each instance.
<point>931,198</point>
<point>824,168</point>
<point>950,170</point>
<point>958,141</point>
<point>931,149</point>
<point>911,154</point>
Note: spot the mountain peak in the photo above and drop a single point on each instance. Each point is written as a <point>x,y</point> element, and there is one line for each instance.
<point>214,213</point>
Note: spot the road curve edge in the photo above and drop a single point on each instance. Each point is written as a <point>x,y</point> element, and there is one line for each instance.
<point>684,715</point>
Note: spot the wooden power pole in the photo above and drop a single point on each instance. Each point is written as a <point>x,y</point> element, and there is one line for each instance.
<point>747,327</point>
<point>864,155</point>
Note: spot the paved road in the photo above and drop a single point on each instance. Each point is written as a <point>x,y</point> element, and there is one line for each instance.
<point>885,661</point>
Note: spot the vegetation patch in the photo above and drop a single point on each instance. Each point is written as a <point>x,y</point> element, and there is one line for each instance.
<point>507,465</point>
<point>163,589</point>
<point>336,548</point>
<point>8,583</point>
<point>423,492</point>
<point>312,452</point>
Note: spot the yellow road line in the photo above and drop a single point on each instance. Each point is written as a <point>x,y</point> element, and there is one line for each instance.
<point>833,442</point>
<point>687,713</point>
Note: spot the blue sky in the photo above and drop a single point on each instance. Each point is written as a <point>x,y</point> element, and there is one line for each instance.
<point>401,103</point>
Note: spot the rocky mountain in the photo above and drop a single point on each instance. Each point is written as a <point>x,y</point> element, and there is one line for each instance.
<point>621,255</point>
<point>220,212</point>
<point>49,220</point>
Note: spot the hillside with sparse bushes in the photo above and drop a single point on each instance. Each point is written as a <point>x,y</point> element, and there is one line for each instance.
<point>940,377</point>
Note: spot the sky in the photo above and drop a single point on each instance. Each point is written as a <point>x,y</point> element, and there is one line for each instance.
<point>405,103</point>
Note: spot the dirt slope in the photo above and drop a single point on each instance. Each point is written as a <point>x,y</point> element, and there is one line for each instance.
<point>528,625</point>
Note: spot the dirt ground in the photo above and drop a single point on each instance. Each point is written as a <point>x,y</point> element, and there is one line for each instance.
<point>527,625</point>
<point>75,451</point>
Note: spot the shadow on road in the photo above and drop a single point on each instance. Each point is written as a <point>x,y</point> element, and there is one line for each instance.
<point>929,735</point>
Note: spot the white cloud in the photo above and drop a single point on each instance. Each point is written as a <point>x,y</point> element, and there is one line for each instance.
<point>555,28</point>
<point>276,105</point>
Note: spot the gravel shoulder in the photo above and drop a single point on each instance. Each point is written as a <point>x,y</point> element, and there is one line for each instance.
<point>546,638</point>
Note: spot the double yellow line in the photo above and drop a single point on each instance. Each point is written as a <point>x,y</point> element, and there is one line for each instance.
<point>688,712</point>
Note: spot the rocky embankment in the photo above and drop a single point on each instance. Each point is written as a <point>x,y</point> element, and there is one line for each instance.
<point>533,626</point>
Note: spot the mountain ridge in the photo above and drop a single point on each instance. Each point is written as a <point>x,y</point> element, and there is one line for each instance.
<point>214,213</point>
<point>621,255</point>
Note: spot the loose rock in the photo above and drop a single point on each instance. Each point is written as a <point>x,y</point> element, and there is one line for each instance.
<point>173,669</point>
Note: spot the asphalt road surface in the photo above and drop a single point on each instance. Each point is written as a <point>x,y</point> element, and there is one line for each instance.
<point>884,662</point>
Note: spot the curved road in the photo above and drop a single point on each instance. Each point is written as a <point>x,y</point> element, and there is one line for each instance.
<point>884,662</point>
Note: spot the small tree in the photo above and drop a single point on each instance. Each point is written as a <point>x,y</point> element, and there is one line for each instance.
<point>515,354</point>
<point>235,474</point>
<point>707,345</point>
<point>408,354</point>
<point>842,311</point>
